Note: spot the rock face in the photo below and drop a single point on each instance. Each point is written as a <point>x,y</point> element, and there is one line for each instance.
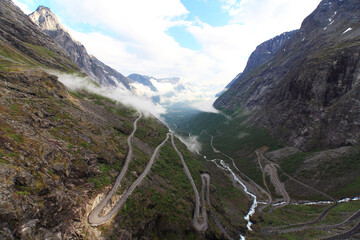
<point>95,69</point>
<point>311,82</point>
<point>18,34</point>
<point>267,50</point>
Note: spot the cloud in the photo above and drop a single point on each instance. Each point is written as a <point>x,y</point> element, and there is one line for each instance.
<point>206,105</point>
<point>191,143</point>
<point>140,103</point>
<point>24,7</point>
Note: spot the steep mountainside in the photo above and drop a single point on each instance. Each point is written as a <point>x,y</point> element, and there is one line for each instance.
<point>95,69</point>
<point>23,44</point>
<point>267,50</point>
<point>311,83</point>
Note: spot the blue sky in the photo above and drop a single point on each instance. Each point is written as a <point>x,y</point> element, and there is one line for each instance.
<point>206,11</point>
<point>205,42</point>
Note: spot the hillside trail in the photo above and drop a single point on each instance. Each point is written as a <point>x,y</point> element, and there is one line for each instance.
<point>94,217</point>
<point>279,186</point>
<point>205,177</point>
<point>299,225</point>
<point>198,225</point>
<point>199,221</point>
<point>274,179</point>
<point>268,192</point>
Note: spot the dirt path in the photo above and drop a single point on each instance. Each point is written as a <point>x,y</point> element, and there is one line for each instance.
<point>279,186</point>
<point>199,226</point>
<point>345,235</point>
<point>298,227</point>
<point>268,193</point>
<point>205,177</point>
<point>94,218</point>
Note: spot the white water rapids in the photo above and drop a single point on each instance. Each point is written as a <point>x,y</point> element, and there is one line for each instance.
<point>254,204</point>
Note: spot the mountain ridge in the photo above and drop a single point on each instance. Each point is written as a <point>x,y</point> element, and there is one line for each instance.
<point>94,68</point>
<point>21,37</point>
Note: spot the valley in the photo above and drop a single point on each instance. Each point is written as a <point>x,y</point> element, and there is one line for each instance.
<point>87,153</point>
<point>322,210</point>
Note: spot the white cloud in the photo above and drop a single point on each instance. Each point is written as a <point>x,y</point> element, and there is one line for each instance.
<point>191,142</point>
<point>123,96</point>
<point>24,7</point>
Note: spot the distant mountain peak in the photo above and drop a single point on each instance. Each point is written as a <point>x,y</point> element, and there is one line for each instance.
<point>46,19</point>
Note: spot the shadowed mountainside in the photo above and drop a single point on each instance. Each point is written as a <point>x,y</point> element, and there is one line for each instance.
<point>311,83</point>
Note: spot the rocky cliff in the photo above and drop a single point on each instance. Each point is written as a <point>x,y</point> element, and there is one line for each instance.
<point>267,50</point>
<point>95,69</point>
<point>311,82</point>
<point>23,42</point>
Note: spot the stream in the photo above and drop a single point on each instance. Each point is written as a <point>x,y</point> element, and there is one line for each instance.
<point>254,204</point>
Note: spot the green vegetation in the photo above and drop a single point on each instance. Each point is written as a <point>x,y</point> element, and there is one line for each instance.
<point>78,94</point>
<point>13,61</point>
<point>63,63</point>
<point>165,195</point>
<point>292,163</point>
<point>350,189</point>
<point>233,136</point>
<point>296,214</point>
<point>150,131</point>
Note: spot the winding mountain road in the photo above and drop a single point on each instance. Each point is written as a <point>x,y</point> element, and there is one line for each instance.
<point>199,221</point>
<point>205,177</point>
<point>299,226</point>
<point>267,192</point>
<point>94,217</point>
<point>271,169</point>
<point>199,226</point>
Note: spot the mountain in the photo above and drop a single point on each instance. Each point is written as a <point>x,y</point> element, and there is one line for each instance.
<point>262,54</point>
<point>292,119</point>
<point>142,79</point>
<point>311,81</point>
<point>267,50</point>
<point>232,81</point>
<point>66,154</point>
<point>23,44</point>
<point>172,80</point>
<point>94,68</point>
<point>167,87</point>
<point>61,152</point>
